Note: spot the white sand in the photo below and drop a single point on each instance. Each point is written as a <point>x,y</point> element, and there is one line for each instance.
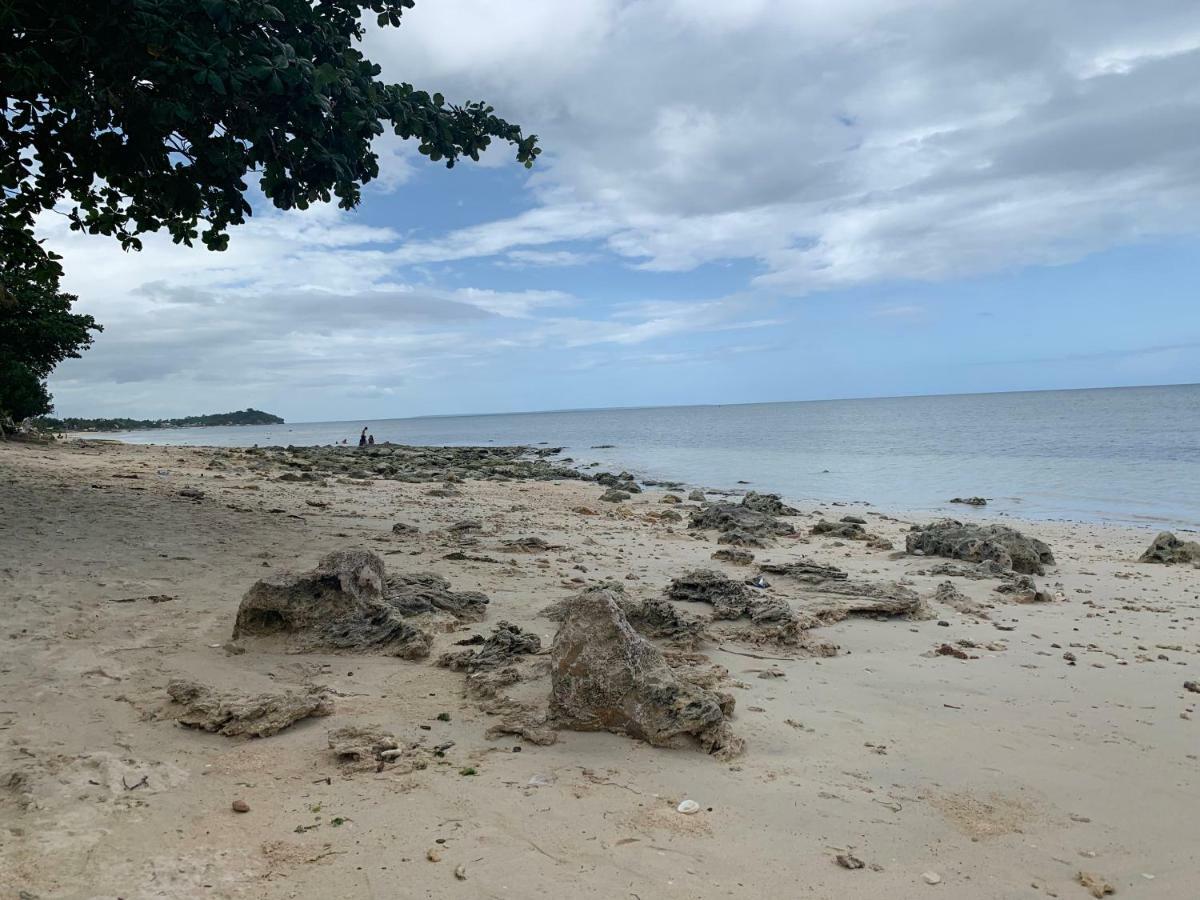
<point>1005,774</point>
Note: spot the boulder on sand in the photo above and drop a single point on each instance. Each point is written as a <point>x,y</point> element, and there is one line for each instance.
<point>769,504</point>
<point>730,517</point>
<point>978,543</point>
<point>243,715</point>
<point>607,677</point>
<point>340,605</point>
<point>1168,549</point>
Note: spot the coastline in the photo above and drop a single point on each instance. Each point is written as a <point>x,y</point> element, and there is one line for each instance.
<point>997,773</point>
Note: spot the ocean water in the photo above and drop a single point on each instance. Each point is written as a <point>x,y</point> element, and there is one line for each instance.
<point>1121,455</point>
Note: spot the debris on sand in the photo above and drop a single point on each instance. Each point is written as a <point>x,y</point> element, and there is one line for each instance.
<point>340,605</point>
<point>420,593</point>
<point>1168,549</point>
<point>849,861</point>
<point>733,557</point>
<point>976,543</point>
<point>361,743</point>
<point>769,504</point>
<point>243,715</point>
<point>970,501</point>
<point>507,642</point>
<point>1096,885</point>
<point>751,527</point>
<point>607,677</point>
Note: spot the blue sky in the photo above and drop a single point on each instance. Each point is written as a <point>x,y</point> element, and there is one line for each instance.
<point>737,203</point>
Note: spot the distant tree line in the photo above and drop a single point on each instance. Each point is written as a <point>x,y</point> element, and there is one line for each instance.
<point>248,416</point>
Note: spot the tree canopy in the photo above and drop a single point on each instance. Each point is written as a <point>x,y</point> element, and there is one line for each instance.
<point>135,116</point>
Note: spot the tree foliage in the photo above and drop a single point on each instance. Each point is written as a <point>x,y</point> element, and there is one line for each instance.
<point>135,116</point>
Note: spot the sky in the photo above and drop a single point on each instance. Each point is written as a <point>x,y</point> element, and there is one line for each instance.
<point>738,201</point>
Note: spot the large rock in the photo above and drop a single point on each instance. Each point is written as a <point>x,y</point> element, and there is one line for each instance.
<point>1169,549</point>
<point>607,677</point>
<point>980,543</point>
<point>340,605</point>
<point>733,518</point>
<point>769,504</point>
<point>243,715</point>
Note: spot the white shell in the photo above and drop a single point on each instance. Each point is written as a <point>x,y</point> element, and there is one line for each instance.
<point>687,807</point>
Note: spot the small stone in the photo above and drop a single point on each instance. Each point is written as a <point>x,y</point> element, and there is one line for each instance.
<point>688,807</point>
<point>849,861</point>
<point>241,806</point>
<point>931,877</point>
<point>433,854</point>
<point>460,872</point>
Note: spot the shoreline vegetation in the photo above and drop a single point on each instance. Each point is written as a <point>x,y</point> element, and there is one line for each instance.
<point>248,416</point>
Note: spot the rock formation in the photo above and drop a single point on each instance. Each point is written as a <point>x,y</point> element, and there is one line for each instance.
<point>978,543</point>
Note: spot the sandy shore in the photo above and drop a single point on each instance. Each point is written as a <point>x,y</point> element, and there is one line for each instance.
<point>1004,775</point>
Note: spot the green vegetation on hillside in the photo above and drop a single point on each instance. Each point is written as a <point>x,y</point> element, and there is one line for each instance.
<point>248,416</point>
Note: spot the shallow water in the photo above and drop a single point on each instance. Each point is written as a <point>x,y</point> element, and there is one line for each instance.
<point>1121,455</point>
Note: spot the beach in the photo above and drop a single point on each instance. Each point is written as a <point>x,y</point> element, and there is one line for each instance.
<point>1052,751</point>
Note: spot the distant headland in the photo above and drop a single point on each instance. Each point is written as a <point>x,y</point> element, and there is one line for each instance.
<point>248,416</point>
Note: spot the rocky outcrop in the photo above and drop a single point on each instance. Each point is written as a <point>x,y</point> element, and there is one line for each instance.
<point>623,482</point>
<point>421,593</point>
<point>728,598</point>
<point>607,677</point>
<point>1168,549</point>
<point>243,715</point>
<point>769,504</point>
<point>659,618</point>
<point>805,571</point>
<point>360,743</point>
<point>506,642</point>
<point>751,527</point>
<point>978,543</point>
<point>340,605</point>
<point>851,531</point>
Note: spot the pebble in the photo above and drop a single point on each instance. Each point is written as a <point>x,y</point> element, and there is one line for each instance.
<point>688,807</point>
<point>433,855</point>
<point>241,806</point>
<point>931,877</point>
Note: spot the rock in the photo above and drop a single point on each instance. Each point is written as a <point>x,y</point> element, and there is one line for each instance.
<point>851,531</point>
<point>986,569</point>
<point>1095,885</point>
<point>243,715</point>
<point>669,515</point>
<point>658,618</point>
<point>529,545</point>
<point>727,597</point>
<point>931,877</point>
<point>738,538</point>
<point>970,501</point>
<point>405,530</point>
<point>340,605</point>
<point>849,861</point>
<point>1192,686</point>
<point>734,557</point>
<point>688,807</point>
<point>730,517</point>
<point>805,571</point>
<point>354,743</point>
<point>948,594</point>
<point>607,677</point>
<point>977,543</point>
<point>424,592</point>
<point>507,642</point>
<point>623,482</point>
<point>853,520</point>
<point>769,504</point>
<point>466,526</point>
<point>612,495</point>
<point>240,806</point>
<point>1023,589</point>
<point>1168,549</point>
<point>696,496</point>
<point>671,499</point>
<point>192,493</point>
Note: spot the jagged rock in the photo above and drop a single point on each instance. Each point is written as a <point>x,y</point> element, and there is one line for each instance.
<point>337,606</point>
<point>420,593</point>
<point>970,501</point>
<point>1023,589</point>
<point>731,517</point>
<point>671,499</point>
<point>696,496</point>
<point>976,543</point>
<point>506,642</point>
<point>951,596</point>
<point>769,504</point>
<point>623,482</point>
<point>607,677</point>
<point>833,601</point>
<point>728,598</point>
<point>1168,549</point>
<point>405,530</point>
<point>734,557</point>
<point>354,743</point>
<point>612,495</point>
<point>529,545</point>
<point>989,568</point>
<point>238,715</point>
<point>853,520</point>
<point>805,571</point>
<point>658,618</point>
<point>851,531</point>
<point>736,537</point>
<point>529,724</point>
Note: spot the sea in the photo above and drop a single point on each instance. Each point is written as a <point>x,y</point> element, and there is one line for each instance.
<point>1123,455</point>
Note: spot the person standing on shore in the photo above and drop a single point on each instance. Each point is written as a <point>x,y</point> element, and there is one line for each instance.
<point>362,438</point>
